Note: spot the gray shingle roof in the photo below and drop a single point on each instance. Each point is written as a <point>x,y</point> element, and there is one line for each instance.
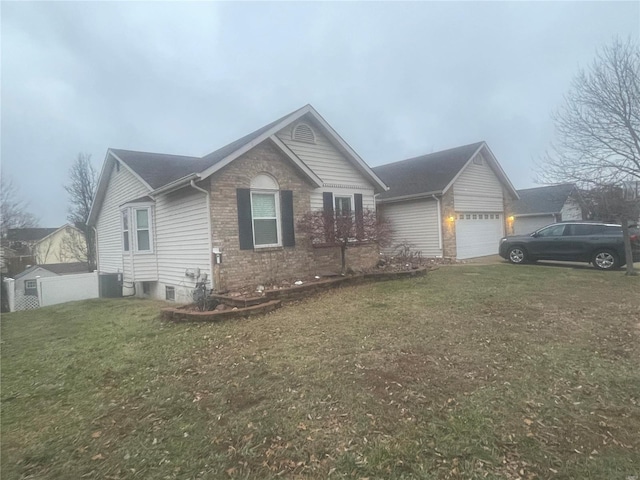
<point>549,199</point>
<point>158,169</point>
<point>425,174</point>
<point>28,234</point>
<point>58,268</point>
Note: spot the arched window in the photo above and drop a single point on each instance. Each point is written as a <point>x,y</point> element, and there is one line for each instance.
<point>265,214</point>
<point>265,211</point>
<point>303,133</point>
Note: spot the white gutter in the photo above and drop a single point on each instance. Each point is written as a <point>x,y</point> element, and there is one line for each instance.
<point>210,246</point>
<point>181,182</point>
<point>414,196</point>
<point>439,224</point>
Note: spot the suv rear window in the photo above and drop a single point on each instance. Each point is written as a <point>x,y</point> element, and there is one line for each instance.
<point>584,229</point>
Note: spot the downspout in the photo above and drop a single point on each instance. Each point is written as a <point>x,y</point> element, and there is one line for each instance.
<point>95,242</point>
<point>439,225</point>
<point>210,246</point>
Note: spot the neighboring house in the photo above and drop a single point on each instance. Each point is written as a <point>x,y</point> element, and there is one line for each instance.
<point>452,203</point>
<point>26,285</point>
<point>17,247</point>
<point>65,245</point>
<point>165,220</point>
<point>541,206</point>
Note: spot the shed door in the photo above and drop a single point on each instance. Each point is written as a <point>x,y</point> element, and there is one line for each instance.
<point>478,234</point>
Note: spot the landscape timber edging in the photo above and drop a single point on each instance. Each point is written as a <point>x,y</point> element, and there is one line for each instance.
<point>298,292</point>
<point>183,314</point>
<point>273,299</point>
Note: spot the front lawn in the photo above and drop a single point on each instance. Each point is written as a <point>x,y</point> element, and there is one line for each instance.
<point>497,372</point>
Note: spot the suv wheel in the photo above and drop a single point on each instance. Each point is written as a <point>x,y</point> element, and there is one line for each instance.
<point>517,255</point>
<point>605,260</point>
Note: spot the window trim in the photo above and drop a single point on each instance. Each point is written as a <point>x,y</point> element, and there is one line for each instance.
<point>172,289</point>
<point>28,290</point>
<point>132,232</point>
<point>278,217</point>
<point>149,228</point>
<point>126,245</point>
<point>351,203</point>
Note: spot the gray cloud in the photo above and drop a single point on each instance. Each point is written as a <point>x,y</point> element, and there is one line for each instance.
<point>395,79</point>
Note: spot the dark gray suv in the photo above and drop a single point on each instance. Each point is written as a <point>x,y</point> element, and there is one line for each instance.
<point>597,243</point>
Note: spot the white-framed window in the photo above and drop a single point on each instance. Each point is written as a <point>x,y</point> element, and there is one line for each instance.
<point>143,229</point>
<point>265,215</point>
<point>170,293</point>
<point>30,287</point>
<point>137,232</point>
<point>343,205</point>
<point>125,230</point>
<point>265,211</point>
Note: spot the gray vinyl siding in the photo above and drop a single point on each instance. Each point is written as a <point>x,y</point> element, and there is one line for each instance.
<point>123,186</point>
<point>415,222</point>
<point>324,159</point>
<point>571,210</point>
<point>477,189</point>
<point>524,225</point>
<point>182,239</point>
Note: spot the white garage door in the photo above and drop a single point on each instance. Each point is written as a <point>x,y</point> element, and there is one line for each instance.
<point>524,225</point>
<point>478,234</point>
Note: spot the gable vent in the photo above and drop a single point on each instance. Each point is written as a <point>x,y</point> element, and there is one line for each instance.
<point>303,133</point>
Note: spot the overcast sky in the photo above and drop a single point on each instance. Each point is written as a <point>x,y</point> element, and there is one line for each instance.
<point>395,79</point>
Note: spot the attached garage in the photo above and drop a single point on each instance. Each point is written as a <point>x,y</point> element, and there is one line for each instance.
<point>478,234</point>
<point>415,223</point>
<point>450,203</point>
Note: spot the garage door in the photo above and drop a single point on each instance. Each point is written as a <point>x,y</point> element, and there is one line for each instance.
<point>478,234</point>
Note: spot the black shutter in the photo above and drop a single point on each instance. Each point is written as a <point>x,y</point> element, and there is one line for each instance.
<point>286,210</point>
<point>327,204</point>
<point>357,198</point>
<point>245,227</point>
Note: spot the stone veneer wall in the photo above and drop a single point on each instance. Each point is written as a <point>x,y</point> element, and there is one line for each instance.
<point>449,248</point>
<point>509,201</point>
<point>269,265</point>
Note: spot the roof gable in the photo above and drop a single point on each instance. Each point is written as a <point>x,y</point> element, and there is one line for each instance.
<point>435,173</point>
<point>542,200</point>
<point>426,174</point>
<point>161,173</point>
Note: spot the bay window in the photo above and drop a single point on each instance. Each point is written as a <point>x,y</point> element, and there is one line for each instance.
<point>137,229</point>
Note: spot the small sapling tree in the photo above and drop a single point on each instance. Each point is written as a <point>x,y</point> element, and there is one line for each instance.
<point>345,230</point>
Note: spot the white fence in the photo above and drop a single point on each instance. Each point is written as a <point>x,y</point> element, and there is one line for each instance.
<point>68,288</point>
<point>54,290</point>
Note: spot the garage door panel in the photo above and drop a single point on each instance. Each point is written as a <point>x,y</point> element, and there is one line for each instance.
<point>478,234</point>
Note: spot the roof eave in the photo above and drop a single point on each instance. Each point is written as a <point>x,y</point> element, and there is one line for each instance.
<point>175,185</point>
<point>415,196</point>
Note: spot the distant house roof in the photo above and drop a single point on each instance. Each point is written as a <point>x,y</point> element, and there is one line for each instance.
<point>431,174</point>
<point>58,268</point>
<point>163,172</point>
<point>543,200</point>
<point>28,234</point>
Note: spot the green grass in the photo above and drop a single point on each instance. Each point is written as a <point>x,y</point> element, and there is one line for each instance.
<point>496,372</point>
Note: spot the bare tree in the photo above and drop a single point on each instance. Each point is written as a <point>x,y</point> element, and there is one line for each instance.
<point>598,129</point>
<point>81,189</point>
<point>13,210</point>
<point>345,230</point>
